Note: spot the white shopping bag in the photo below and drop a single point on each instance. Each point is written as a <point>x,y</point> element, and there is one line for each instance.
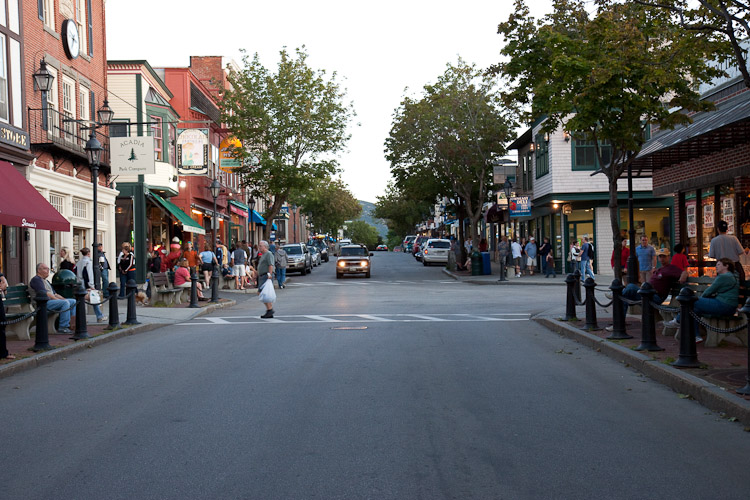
<point>267,293</point>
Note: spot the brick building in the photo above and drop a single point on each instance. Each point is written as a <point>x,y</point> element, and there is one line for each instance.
<point>69,36</point>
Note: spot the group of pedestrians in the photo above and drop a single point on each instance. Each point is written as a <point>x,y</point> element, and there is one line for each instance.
<point>522,256</point>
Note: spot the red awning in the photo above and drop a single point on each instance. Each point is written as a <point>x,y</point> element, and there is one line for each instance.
<point>22,206</point>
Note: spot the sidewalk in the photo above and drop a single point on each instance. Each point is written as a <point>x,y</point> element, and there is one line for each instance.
<point>493,279</point>
<point>149,318</point>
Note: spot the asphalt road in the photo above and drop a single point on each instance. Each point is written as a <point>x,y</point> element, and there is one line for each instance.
<point>408,386</point>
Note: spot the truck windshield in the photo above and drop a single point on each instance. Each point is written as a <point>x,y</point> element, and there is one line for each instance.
<point>353,252</point>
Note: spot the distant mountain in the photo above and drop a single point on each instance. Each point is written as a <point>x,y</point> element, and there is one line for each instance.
<point>367,211</point>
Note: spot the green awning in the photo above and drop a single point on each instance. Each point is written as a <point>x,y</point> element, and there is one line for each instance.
<point>188,224</point>
<point>239,205</point>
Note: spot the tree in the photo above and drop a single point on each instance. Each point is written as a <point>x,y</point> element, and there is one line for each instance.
<point>727,19</point>
<point>360,231</point>
<point>446,140</point>
<point>400,211</point>
<point>330,203</point>
<point>604,77</point>
<point>291,125</point>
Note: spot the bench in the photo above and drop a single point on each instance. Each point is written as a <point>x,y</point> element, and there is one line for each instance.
<point>162,289</point>
<point>18,303</point>
<point>712,338</point>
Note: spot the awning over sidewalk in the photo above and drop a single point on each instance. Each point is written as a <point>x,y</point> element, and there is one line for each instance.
<point>22,206</point>
<point>259,219</point>
<point>239,208</point>
<point>188,224</point>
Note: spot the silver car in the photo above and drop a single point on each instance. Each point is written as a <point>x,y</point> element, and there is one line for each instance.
<point>299,259</point>
<point>435,251</point>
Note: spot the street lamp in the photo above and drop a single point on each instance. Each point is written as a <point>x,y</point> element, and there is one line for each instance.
<point>94,153</point>
<point>294,221</point>
<point>43,81</point>
<point>251,204</point>
<point>215,189</point>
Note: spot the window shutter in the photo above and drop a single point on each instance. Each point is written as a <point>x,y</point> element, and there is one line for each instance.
<point>91,27</point>
<point>40,6</point>
<point>92,107</point>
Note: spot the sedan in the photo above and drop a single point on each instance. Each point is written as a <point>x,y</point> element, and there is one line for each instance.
<point>315,256</point>
<point>382,248</point>
<point>435,251</point>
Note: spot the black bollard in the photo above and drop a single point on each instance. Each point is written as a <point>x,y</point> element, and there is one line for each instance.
<point>215,285</point>
<point>688,357</point>
<point>41,339</point>
<point>503,270</point>
<point>131,289</point>
<point>618,312</point>
<point>193,290</point>
<point>570,301</point>
<point>81,331</point>
<point>590,286</point>
<point>577,274</point>
<point>648,320</point>
<point>114,313</point>
<point>746,390</point>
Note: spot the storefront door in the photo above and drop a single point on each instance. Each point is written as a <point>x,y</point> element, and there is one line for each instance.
<point>577,230</point>
<point>10,254</point>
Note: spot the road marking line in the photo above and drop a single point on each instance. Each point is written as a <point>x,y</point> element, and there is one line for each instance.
<point>218,321</point>
<point>425,317</point>
<point>322,319</point>
<point>373,318</point>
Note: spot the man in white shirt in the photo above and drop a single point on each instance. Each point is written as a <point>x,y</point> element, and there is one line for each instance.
<point>515,249</point>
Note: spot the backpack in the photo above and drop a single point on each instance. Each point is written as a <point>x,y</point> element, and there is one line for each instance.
<point>590,251</point>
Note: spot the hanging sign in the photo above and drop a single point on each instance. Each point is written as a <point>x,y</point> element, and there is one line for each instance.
<point>520,206</point>
<point>227,161</point>
<point>708,216</point>
<point>692,226</point>
<point>192,152</point>
<point>727,213</point>
<point>132,155</point>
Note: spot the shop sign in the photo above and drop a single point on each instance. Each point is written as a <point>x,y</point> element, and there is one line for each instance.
<point>727,213</point>
<point>192,152</point>
<point>692,226</point>
<point>238,211</point>
<point>567,209</point>
<point>13,136</point>
<point>132,155</point>
<point>708,216</point>
<point>227,161</point>
<point>520,206</point>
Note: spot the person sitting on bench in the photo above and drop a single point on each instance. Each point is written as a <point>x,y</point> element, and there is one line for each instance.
<point>182,277</point>
<point>56,303</point>
<point>662,280</point>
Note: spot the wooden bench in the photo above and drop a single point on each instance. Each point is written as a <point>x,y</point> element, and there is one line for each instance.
<point>712,338</point>
<point>162,289</point>
<point>18,303</point>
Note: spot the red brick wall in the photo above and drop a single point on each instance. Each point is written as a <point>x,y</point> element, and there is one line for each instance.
<point>704,166</point>
<point>209,71</point>
<point>39,43</point>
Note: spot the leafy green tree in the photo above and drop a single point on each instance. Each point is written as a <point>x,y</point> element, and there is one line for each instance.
<point>604,76</point>
<point>360,231</point>
<point>329,202</point>
<point>400,211</point>
<point>726,19</point>
<point>291,124</point>
<point>446,140</point>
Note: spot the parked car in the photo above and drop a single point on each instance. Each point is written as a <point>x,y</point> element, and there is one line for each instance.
<point>353,259</point>
<point>409,243</point>
<point>382,248</point>
<point>435,251</point>
<point>315,255</point>
<point>418,245</point>
<point>299,258</point>
<point>322,248</point>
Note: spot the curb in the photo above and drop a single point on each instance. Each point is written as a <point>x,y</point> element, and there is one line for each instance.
<point>46,357</point>
<point>709,395</point>
<point>492,281</point>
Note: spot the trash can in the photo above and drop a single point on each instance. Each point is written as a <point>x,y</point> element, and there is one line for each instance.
<point>486,269</point>
<point>476,263</point>
<point>64,282</point>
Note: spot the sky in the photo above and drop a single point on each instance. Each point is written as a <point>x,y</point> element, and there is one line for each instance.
<point>377,49</point>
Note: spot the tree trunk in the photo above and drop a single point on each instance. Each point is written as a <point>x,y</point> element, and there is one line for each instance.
<point>614,222</point>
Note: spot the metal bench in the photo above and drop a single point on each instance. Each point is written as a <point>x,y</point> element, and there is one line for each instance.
<point>19,303</point>
<point>713,338</point>
<point>162,289</point>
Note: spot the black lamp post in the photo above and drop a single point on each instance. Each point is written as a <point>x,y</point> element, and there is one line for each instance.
<point>43,81</point>
<point>215,189</point>
<point>94,152</point>
<point>251,205</point>
<point>294,221</point>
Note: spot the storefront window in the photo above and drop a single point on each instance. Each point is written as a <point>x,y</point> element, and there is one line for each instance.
<point>653,223</point>
<point>709,230</point>
<point>123,222</point>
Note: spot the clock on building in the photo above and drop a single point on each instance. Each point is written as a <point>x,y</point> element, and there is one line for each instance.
<point>71,41</point>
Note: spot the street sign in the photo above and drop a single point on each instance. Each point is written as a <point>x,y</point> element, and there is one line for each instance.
<point>520,206</point>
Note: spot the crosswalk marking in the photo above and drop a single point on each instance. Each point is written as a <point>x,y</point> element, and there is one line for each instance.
<point>359,318</point>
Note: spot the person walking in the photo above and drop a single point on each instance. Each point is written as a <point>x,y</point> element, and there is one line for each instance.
<point>575,256</point>
<point>727,246</point>
<point>104,268</point>
<point>56,303</point>
<point>503,251</point>
<point>66,260</point>
<point>531,251</point>
<point>624,255</point>
<point>516,251</point>
<point>238,261</point>
<point>126,266</point>
<point>85,275</point>
<point>282,262</point>
<point>208,261</point>
<point>4,354</point>
<point>544,250</point>
<point>587,253</point>
<point>646,255</point>
<point>265,273</point>
<point>191,255</point>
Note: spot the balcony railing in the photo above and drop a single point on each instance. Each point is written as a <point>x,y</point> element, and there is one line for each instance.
<point>53,129</point>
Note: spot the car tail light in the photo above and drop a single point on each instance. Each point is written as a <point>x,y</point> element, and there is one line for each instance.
<point>425,251</point>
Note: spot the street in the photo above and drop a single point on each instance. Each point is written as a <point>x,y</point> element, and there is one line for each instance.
<point>406,385</point>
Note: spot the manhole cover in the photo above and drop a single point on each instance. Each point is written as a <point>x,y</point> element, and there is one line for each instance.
<point>349,328</point>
